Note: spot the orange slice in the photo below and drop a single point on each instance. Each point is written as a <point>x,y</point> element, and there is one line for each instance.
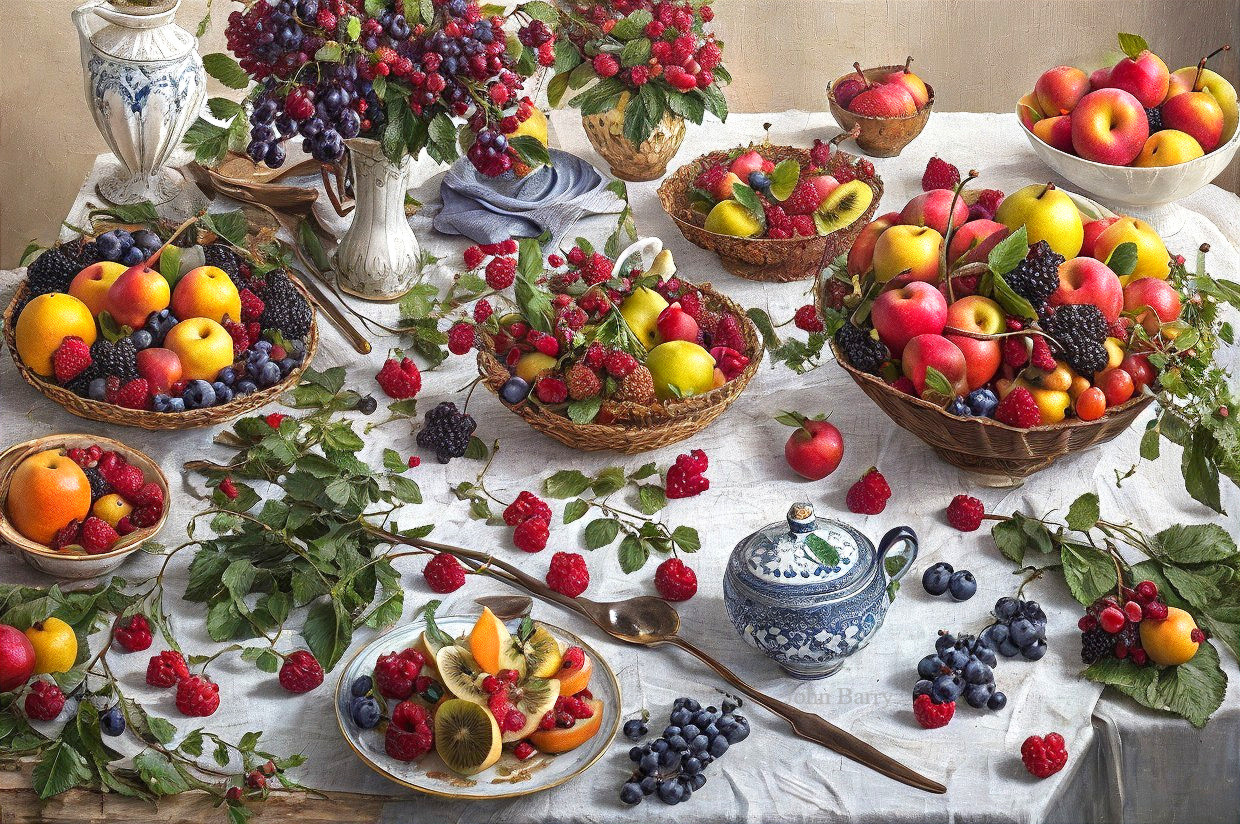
<point>488,640</point>
<point>562,740</point>
<point>573,681</point>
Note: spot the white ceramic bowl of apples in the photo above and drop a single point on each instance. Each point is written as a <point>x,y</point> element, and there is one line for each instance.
<point>1102,144</point>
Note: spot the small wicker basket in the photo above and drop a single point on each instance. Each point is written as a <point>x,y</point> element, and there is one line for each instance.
<point>145,419</point>
<point>63,564</point>
<point>637,428</point>
<point>880,136</point>
<point>771,260</point>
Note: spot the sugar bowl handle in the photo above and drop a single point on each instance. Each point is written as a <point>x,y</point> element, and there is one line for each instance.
<point>905,536</point>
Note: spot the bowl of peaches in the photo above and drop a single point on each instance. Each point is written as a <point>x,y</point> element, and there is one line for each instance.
<point>1134,134</point>
<point>1005,331</point>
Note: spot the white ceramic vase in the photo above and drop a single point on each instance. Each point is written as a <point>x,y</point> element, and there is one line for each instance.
<point>145,85</point>
<point>378,255</point>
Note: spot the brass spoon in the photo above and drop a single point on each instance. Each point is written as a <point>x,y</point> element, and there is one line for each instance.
<point>650,621</point>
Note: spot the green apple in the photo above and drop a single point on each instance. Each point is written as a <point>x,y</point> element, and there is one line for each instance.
<point>1047,214</point>
<point>680,369</point>
<point>641,311</point>
<point>731,218</point>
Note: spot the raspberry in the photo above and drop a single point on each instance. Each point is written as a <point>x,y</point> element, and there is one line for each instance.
<point>97,536</point>
<point>573,658</point>
<point>577,708</point>
<point>619,364</point>
<point>149,495</point>
<point>473,257</point>
<point>804,226</point>
<point>255,780</point>
<point>513,721</point>
<point>555,261</point>
<point>691,303</point>
<point>728,333</point>
<point>145,516</point>
<point>531,534</point>
<point>396,671</point>
<point>45,701</point>
<point>409,736</point>
<point>568,574</point>
<point>461,338</point>
<point>252,306</point>
<point>71,358</point>
<point>504,247</point>
<point>1197,636</point>
<point>240,337</point>
<point>675,581</point>
<point>483,311</point>
<point>1112,619</point>
<point>399,379</point>
<point>126,480</point>
<point>301,672</point>
<point>547,344</point>
<point>869,495</point>
<point>905,385</point>
<point>605,65</point>
<point>845,173</point>
<point>682,483</point>
<point>930,715</point>
<point>67,535</point>
<point>166,669</point>
<point>414,461</point>
<point>526,506</point>
<point>989,199</point>
<point>710,177</point>
<point>1041,356</point>
<point>865,168</point>
<point>1133,611</point>
<point>550,389</point>
<point>197,696</point>
<point>636,387</point>
<point>1044,756</point>
<point>805,198</point>
<point>939,174</point>
<point>1018,409</point>
<point>582,382</point>
<point>501,272</point>
<point>597,269</point>
<point>444,574</point>
<point>136,394</point>
<point>806,319</point>
<point>820,153</point>
<point>1016,351</point>
<point>695,462</point>
<point>1147,591</point>
<point>133,635</point>
<point>524,750</point>
<point>965,513</point>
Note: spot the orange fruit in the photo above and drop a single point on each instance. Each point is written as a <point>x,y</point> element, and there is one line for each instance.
<point>573,681</point>
<point>1169,641</point>
<point>1091,404</point>
<point>568,738</point>
<point>111,508</point>
<point>47,491</point>
<point>45,322</point>
<point>488,640</point>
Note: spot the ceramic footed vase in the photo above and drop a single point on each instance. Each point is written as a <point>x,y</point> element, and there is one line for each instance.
<point>809,592</point>
<point>145,85</point>
<point>378,256</point>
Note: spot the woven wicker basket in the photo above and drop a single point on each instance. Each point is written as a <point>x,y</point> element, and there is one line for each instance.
<point>880,136</point>
<point>637,428</point>
<point>771,260</point>
<point>143,419</point>
<point>65,564</point>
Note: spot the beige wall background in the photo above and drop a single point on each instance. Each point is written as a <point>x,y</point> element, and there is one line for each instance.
<point>980,55</point>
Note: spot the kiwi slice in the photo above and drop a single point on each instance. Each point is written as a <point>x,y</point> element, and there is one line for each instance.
<point>542,653</point>
<point>534,697</point>
<point>466,736</point>
<point>461,674</point>
<point>843,207</point>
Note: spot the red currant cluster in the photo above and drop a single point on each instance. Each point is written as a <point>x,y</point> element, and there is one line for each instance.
<point>1112,627</point>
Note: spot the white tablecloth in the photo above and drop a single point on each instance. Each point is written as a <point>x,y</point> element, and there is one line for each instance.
<point>1125,762</point>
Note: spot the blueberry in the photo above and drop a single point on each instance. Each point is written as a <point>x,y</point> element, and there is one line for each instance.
<point>198,394</point>
<point>1034,651</point>
<point>692,705</point>
<point>740,732</point>
<point>758,180</point>
<point>697,781</point>
<point>649,763</point>
<point>1022,632</point>
<point>680,717</point>
<point>361,685</point>
<point>1032,609</point>
<point>982,402</point>
<point>922,687</point>
<point>669,759</point>
<point>365,712</point>
<point>109,245</point>
<point>112,721</point>
<point>958,407</point>
<point>1008,650</point>
<point>146,240</point>
<point>728,706</point>
<point>995,634</point>
<point>930,667</point>
<point>955,658</point>
<point>659,745</point>
<point>635,754</point>
<point>142,339</point>
<point>944,642</point>
<point>976,695</point>
<point>223,393</point>
<point>631,793</point>
<point>677,742</point>
<point>245,386</point>
<point>634,729</point>
<point>263,346</point>
<point>975,672</point>
<point>718,746</point>
<point>133,256</point>
<point>936,578</point>
<point>987,656</point>
<point>703,719</point>
<point>367,404</point>
<point>670,792</point>
<point>1006,608</point>
<point>689,731</point>
<point>946,688</point>
<point>699,743</point>
<point>97,389</point>
<point>269,375</point>
<point>997,701</point>
<point>962,585</point>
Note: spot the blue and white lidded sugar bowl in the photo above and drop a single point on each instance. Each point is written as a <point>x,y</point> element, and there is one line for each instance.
<point>812,591</point>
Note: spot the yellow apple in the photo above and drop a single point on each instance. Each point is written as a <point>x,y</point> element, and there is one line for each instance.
<point>92,283</point>
<point>680,369</point>
<point>533,364</point>
<point>203,346</point>
<point>911,249</point>
<point>641,311</point>
<point>206,292</point>
<point>1153,261</point>
<point>731,218</point>
<point>1047,214</point>
<point>1168,148</point>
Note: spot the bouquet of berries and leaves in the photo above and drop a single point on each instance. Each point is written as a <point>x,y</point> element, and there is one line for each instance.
<point>149,316</point>
<point>651,59</point>
<point>1140,632</point>
<point>442,75</point>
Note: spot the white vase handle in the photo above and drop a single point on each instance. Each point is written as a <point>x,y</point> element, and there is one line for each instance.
<point>79,15</point>
<point>647,248</point>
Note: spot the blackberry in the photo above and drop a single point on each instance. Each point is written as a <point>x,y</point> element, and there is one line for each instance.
<point>98,486</point>
<point>223,257</point>
<point>1079,329</point>
<point>84,253</point>
<point>447,431</point>
<point>51,271</point>
<point>1154,115</point>
<point>1095,644</point>
<point>1037,276</point>
<point>80,385</point>
<point>119,359</point>
<point>284,308</point>
<point>863,350</point>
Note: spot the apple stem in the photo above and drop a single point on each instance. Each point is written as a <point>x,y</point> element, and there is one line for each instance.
<point>1050,187</point>
<point>908,61</point>
<point>188,223</point>
<point>1201,69</point>
<point>861,74</point>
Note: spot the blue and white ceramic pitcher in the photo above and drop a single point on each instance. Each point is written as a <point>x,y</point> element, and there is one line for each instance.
<point>811,591</point>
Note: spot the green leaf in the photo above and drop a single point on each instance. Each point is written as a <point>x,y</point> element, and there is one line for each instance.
<point>354,27</point>
<point>937,382</point>
<point>1123,259</point>
<point>476,449</point>
<point>1150,444</point>
<point>61,768</point>
<point>715,101</point>
<point>651,498</point>
<point>159,773</point>
<point>633,25</point>
<point>232,225</point>
<point>406,489</point>
<point>1132,44</point>
<point>1200,472</point>
<point>170,265</point>
<point>689,106</point>
<point>427,611</point>
<point>1007,297</point>
<point>608,480</point>
<point>748,198</point>
<point>393,462</point>
<point>1090,573</point>
<point>222,108</point>
<point>635,52</point>
<point>556,89</point>
<point>826,554</point>
<point>603,96</point>
<point>1196,544</point>
<point>686,539</point>
<point>567,483</point>
<point>642,114</point>
<point>441,145</point>
<point>575,510</point>
<point>1138,683</point>
<point>329,52</point>
<point>531,150</point>
<point>328,631</point>
<point>585,411</point>
<point>225,69</point>
<point>784,178</point>
<point>208,141</point>
<point>600,532</point>
<point>1009,252</point>
<point>633,553</point>
<point>1194,689</point>
<point>539,10</point>
<point>533,301</point>
<point>1084,513</point>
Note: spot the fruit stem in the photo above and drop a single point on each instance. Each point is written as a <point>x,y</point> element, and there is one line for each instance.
<point>1201,70</point>
<point>951,215</point>
<point>1050,187</point>
<point>188,223</point>
<point>861,74</point>
<point>908,61</point>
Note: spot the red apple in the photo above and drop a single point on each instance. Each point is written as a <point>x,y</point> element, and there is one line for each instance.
<point>979,315</point>
<point>17,657</point>
<point>938,352</point>
<point>849,86</point>
<point>1060,89</point>
<point>1198,115</point>
<point>1056,132</point>
<point>1085,280</point>
<point>815,449</point>
<point>160,368</point>
<point>750,161</point>
<point>1156,301</point>
<point>1109,126</point>
<point>675,323</point>
<point>1092,230</point>
<point>1139,369</point>
<point>861,255</point>
<point>1100,79</point>
<point>902,314</point>
<point>932,209</point>
<point>1145,77</point>
<point>981,234</point>
<point>886,100</point>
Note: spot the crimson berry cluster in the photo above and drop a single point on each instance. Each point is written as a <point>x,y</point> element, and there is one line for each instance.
<point>1111,626</point>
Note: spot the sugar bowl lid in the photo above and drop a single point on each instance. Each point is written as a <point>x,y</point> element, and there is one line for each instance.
<point>804,556</point>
